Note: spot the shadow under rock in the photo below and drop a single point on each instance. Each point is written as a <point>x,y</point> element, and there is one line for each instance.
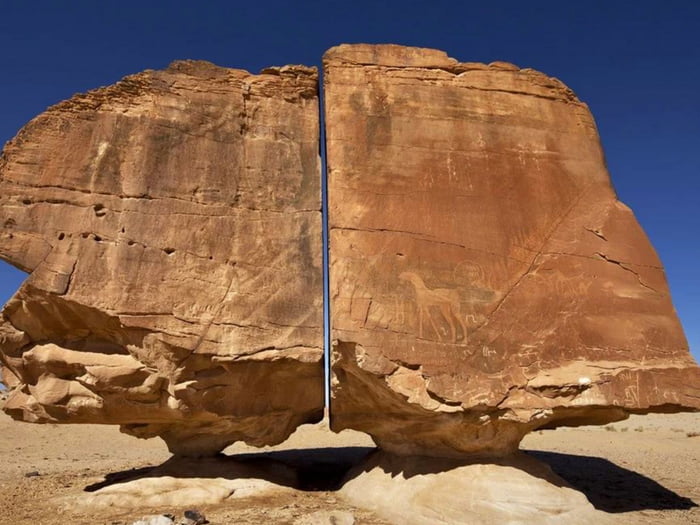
<point>607,486</point>
<point>318,469</point>
<point>411,466</point>
<point>612,488</point>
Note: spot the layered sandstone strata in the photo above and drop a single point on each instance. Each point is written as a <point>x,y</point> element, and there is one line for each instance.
<point>485,280</point>
<point>171,225</point>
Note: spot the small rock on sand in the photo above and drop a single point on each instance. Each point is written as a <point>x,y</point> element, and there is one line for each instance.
<point>324,517</point>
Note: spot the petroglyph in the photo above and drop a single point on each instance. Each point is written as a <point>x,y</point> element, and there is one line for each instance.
<point>472,206</point>
<point>442,300</point>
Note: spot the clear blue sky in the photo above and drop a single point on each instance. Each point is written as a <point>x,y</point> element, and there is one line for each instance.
<point>637,64</point>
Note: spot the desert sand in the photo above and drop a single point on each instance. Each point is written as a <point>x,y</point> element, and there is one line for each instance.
<point>643,470</point>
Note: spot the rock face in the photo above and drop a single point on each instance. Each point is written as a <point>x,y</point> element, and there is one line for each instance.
<point>171,224</point>
<point>485,280</point>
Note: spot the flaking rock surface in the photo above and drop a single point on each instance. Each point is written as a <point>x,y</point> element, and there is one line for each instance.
<point>485,280</point>
<point>171,225</point>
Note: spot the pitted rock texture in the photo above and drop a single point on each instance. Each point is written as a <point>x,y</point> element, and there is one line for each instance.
<point>171,224</point>
<point>485,280</point>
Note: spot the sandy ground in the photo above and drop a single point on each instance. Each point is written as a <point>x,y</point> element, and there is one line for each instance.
<point>644,470</point>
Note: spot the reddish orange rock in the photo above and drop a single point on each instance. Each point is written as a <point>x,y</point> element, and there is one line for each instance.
<point>171,224</point>
<point>485,280</point>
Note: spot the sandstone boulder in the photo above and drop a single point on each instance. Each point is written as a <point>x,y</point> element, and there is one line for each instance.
<point>418,490</point>
<point>485,280</point>
<point>182,482</point>
<point>171,225</point>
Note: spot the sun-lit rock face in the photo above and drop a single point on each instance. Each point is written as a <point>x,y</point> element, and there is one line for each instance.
<point>485,280</point>
<point>171,224</point>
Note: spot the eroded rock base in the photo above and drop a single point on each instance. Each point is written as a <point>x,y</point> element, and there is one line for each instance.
<point>398,489</point>
<point>419,490</point>
<point>183,482</point>
<point>393,403</point>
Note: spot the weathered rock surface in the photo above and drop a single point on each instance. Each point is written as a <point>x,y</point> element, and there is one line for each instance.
<point>186,481</point>
<point>485,280</point>
<point>171,224</point>
<point>418,490</point>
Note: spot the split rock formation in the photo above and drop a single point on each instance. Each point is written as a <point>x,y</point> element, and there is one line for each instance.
<point>172,227</point>
<point>484,279</point>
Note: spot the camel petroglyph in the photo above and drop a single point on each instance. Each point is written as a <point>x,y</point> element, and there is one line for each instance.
<point>446,301</point>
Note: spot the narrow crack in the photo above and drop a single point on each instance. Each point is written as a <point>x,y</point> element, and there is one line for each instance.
<point>622,265</point>
<point>597,233</point>
<point>535,258</point>
<point>419,236</point>
<point>70,277</point>
<point>112,195</point>
<point>599,257</point>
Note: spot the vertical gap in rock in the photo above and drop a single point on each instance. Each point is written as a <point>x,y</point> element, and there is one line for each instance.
<point>324,219</point>
<point>11,279</point>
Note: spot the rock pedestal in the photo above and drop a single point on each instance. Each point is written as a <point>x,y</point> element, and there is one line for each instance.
<point>171,224</point>
<point>419,490</point>
<point>484,279</point>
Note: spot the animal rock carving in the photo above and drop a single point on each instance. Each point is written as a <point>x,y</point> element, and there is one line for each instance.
<point>476,174</point>
<point>171,226</point>
<point>446,302</point>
